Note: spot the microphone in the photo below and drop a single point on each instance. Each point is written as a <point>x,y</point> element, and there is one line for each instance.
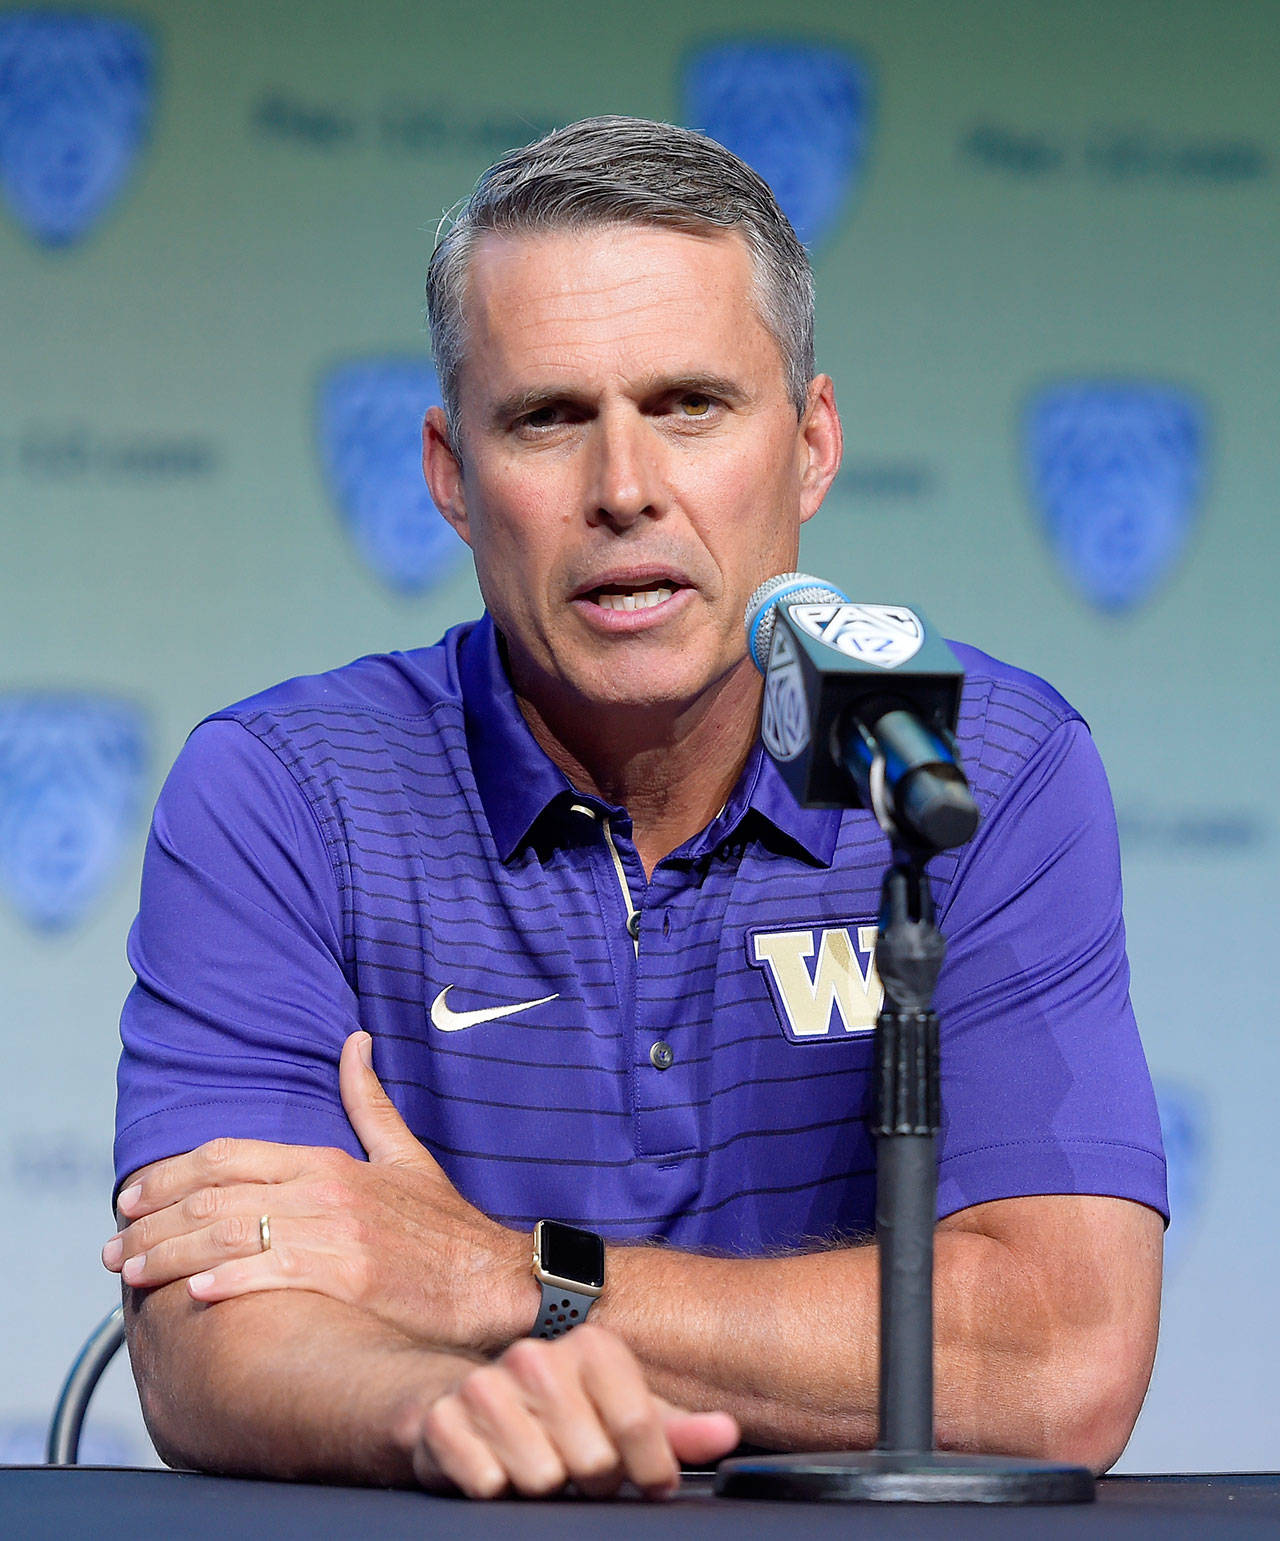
<point>860,709</point>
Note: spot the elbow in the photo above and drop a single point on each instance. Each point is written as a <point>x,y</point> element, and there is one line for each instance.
<point>166,1372</point>
<point>174,1434</point>
<point>1095,1429</point>
<point>1073,1426</point>
<point>1090,1408</point>
<point>1076,1406</point>
<point>1100,1401</point>
<point>171,1449</point>
<point>175,1437</point>
<point>1095,1443</point>
<point>189,1434</point>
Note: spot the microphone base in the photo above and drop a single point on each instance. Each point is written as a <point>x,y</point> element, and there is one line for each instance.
<point>904,1477</point>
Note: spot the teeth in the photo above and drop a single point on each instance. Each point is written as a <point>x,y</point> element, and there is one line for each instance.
<point>635,599</point>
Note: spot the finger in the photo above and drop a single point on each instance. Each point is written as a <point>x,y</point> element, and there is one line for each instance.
<point>192,1252</point>
<point>700,1438</point>
<point>276,1269</point>
<point>495,1407</point>
<point>374,1117</point>
<point>447,1450</point>
<point>203,1209</point>
<point>631,1414</point>
<point>216,1164</point>
<point>550,1379</point>
<point>310,1257</point>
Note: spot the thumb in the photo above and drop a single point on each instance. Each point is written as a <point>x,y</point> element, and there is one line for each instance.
<point>374,1117</point>
<point>698,1438</point>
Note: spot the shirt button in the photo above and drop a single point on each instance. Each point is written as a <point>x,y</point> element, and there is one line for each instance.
<point>633,925</point>
<point>660,1056</point>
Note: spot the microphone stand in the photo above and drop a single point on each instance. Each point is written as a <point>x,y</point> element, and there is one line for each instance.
<point>905,1466</point>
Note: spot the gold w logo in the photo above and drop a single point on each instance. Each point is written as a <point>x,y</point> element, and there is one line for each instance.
<point>838,983</point>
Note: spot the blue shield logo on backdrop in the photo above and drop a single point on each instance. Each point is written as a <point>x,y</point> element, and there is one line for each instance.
<point>1184,1129</point>
<point>371,415</point>
<point>75,107</point>
<point>798,113</point>
<point>72,771</point>
<point>1116,469</point>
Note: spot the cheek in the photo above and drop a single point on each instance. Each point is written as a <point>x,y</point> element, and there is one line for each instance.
<point>518,514</point>
<point>754,498</point>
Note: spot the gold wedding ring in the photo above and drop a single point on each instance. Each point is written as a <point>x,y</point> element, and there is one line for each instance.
<point>264,1233</point>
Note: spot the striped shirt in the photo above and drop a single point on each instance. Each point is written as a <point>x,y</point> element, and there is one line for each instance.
<point>386,847</point>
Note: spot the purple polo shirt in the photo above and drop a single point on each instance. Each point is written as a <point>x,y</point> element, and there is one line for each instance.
<point>685,1058</point>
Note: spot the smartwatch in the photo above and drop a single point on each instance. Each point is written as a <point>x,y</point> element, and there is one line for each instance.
<point>569,1265</point>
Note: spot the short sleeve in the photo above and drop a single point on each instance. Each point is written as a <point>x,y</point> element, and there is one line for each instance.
<point>1045,1085</point>
<point>242,1002</point>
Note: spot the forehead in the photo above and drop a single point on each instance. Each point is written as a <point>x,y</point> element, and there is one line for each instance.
<point>617,300</point>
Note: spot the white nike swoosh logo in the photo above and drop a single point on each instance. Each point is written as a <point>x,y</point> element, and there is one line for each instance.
<point>454,1021</point>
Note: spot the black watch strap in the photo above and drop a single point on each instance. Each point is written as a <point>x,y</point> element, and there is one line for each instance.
<point>560,1310</point>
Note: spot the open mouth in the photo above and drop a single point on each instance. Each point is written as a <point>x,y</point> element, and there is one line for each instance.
<point>632,599</point>
<point>643,598</point>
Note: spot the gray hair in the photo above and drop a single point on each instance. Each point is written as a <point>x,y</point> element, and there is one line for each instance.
<point>626,171</point>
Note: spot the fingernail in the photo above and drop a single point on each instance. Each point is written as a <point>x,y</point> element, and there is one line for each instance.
<point>199,1281</point>
<point>365,1049</point>
<point>111,1252</point>
<point>130,1196</point>
<point>132,1269</point>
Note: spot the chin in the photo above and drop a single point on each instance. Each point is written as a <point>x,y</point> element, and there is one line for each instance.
<point>646,688</point>
<point>641,696</point>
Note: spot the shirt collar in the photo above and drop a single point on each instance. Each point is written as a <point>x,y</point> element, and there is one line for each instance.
<point>761,797</point>
<point>514,777</point>
<point>517,782</point>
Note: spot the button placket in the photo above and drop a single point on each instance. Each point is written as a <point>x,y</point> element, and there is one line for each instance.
<point>666,1122</point>
<point>612,896</point>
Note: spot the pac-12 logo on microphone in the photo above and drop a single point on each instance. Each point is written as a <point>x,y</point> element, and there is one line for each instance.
<point>75,108</point>
<point>371,413</point>
<point>784,722</point>
<point>823,981</point>
<point>884,635</point>
<point>1116,469</point>
<point>71,780</point>
<point>798,113</point>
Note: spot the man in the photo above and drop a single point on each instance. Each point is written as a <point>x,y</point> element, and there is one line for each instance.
<point>542,878</point>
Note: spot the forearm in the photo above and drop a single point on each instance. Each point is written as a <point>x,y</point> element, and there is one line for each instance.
<point>789,1346</point>
<point>282,1384</point>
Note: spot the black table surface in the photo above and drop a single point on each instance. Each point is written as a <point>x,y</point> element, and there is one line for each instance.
<point>93,1501</point>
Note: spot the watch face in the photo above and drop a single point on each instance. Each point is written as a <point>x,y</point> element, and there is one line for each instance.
<point>571,1254</point>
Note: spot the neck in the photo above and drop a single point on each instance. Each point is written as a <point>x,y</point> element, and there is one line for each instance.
<point>671,767</point>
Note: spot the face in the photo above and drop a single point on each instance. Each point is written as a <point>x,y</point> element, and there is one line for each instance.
<point>629,466</point>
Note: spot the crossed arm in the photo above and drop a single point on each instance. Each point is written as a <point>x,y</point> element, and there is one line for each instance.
<point>381,1338</point>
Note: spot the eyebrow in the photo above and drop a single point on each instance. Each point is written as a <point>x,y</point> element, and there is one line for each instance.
<point>694,383</point>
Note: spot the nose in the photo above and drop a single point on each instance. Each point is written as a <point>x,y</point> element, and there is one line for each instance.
<point>625,481</point>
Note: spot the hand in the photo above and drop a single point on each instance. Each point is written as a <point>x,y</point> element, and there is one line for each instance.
<point>391,1235</point>
<point>575,1410</point>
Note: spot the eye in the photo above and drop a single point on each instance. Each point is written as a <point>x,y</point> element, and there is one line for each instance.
<point>694,405</point>
<point>541,417</point>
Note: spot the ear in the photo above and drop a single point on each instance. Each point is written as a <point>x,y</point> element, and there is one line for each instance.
<point>442,468</point>
<point>822,445</point>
